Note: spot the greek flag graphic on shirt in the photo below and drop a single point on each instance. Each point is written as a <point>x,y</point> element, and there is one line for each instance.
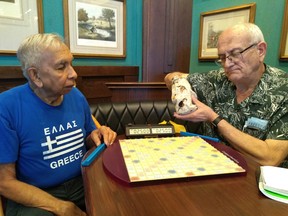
<point>63,144</point>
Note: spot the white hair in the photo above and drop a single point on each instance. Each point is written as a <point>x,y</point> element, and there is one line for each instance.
<point>253,31</point>
<point>31,49</point>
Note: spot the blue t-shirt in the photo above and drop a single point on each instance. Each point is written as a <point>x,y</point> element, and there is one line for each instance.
<point>46,142</point>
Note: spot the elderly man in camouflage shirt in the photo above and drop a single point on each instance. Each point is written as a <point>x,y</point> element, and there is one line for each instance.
<point>244,102</point>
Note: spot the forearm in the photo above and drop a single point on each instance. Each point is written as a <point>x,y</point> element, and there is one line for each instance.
<point>238,139</point>
<point>31,196</point>
<point>268,152</point>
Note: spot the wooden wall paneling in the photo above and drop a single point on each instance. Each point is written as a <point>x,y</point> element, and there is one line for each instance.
<point>135,91</point>
<point>183,31</point>
<point>11,76</point>
<point>154,14</point>
<point>166,37</point>
<point>91,79</point>
<point>100,83</point>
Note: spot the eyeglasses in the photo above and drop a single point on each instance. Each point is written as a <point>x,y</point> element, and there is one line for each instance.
<point>233,56</point>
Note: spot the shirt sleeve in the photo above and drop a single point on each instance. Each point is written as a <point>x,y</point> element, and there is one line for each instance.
<point>279,128</point>
<point>9,146</point>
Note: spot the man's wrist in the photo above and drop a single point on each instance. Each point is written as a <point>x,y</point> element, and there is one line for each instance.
<point>216,121</point>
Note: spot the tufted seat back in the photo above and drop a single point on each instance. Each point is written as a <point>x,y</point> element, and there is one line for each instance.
<point>118,114</point>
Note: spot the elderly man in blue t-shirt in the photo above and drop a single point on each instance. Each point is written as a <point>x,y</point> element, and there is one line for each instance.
<point>45,130</point>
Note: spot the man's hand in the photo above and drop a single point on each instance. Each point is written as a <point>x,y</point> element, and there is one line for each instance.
<point>66,208</point>
<point>203,114</point>
<point>108,135</point>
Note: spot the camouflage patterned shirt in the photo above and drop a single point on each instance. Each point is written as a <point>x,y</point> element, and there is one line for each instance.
<point>268,102</point>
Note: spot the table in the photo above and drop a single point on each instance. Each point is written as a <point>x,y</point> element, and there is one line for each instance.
<point>217,195</point>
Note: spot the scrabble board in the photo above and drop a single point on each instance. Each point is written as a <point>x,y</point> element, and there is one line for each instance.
<point>174,157</point>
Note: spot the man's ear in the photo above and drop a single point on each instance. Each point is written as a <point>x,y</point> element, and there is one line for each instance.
<point>262,48</point>
<point>34,76</point>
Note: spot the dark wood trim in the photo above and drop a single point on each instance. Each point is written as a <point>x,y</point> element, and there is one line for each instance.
<point>15,72</point>
<point>138,91</point>
<point>128,85</point>
<point>11,76</point>
<point>11,72</point>
<point>91,79</point>
<point>106,70</point>
<point>100,83</point>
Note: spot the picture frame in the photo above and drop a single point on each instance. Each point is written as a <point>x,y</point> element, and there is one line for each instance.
<point>95,28</point>
<point>20,19</point>
<point>212,23</point>
<point>284,35</point>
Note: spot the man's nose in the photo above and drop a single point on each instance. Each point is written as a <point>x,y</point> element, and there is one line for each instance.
<point>72,73</point>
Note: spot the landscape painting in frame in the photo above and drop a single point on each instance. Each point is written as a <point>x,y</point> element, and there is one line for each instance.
<point>96,28</point>
<point>284,35</point>
<point>212,23</point>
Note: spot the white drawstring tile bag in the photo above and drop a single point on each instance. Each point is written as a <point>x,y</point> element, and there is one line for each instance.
<point>181,95</point>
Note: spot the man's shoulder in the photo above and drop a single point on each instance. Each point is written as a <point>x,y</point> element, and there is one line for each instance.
<point>276,77</point>
<point>276,72</point>
<point>218,74</point>
<point>14,92</point>
<point>275,81</point>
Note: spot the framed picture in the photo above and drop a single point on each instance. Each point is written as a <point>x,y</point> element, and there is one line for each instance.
<point>214,22</point>
<point>284,35</point>
<point>95,28</point>
<point>20,19</point>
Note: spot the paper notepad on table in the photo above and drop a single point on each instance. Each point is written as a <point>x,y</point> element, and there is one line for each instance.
<point>273,183</point>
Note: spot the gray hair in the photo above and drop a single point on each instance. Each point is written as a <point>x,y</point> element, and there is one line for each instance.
<point>253,30</point>
<point>31,49</point>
